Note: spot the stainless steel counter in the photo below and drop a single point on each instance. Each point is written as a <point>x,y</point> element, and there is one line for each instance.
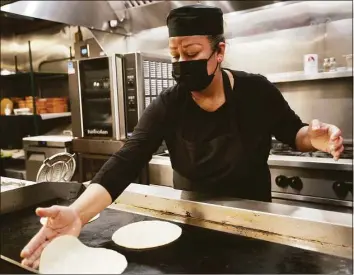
<point>7,184</point>
<point>197,251</point>
<point>322,231</point>
<point>311,229</point>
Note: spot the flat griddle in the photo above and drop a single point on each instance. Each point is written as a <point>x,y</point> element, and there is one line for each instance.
<point>198,250</point>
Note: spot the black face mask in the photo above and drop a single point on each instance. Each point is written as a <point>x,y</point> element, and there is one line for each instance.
<point>193,75</point>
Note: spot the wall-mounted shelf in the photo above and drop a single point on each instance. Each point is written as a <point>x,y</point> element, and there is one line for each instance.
<point>44,116</point>
<point>36,74</point>
<point>301,76</point>
<point>54,115</point>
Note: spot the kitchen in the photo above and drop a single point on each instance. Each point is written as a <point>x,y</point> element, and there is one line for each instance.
<point>303,47</point>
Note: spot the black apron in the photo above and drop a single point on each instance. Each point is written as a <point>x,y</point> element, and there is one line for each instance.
<point>220,166</point>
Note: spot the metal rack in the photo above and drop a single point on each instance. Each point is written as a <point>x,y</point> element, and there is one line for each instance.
<point>33,89</point>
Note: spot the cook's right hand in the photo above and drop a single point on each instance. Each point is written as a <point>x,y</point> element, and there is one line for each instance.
<point>61,220</point>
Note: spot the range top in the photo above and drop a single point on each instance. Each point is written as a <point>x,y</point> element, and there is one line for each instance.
<point>281,149</point>
<point>285,150</point>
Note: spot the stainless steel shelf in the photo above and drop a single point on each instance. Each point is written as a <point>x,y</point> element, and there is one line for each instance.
<point>301,76</point>
<point>54,115</point>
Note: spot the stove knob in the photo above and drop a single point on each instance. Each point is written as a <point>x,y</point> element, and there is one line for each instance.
<point>282,181</point>
<point>341,189</point>
<point>296,183</point>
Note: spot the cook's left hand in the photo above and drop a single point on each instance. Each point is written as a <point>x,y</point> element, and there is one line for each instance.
<point>326,137</point>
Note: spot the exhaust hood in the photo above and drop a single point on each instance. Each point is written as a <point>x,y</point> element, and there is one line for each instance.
<point>119,17</point>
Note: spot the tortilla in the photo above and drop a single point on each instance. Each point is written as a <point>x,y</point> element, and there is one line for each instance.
<point>43,220</point>
<point>146,234</point>
<point>68,255</point>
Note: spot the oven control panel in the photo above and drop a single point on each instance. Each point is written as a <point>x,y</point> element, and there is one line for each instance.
<point>294,182</point>
<point>324,184</point>
<point>130,92</point>
<point>145,77</point>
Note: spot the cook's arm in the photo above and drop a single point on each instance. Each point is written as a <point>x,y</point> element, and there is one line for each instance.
<point>124,166</point>
<point>286,125</point>
<point>91,202</point>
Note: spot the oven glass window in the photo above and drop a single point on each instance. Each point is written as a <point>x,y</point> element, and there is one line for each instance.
<point>96,97</point>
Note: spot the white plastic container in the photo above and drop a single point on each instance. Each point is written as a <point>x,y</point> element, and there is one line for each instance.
<point>311,63</point>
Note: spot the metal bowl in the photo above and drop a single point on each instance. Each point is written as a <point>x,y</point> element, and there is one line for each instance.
<point>58,168</point>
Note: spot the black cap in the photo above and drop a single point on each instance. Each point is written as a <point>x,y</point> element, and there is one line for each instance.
<point>195,19</point>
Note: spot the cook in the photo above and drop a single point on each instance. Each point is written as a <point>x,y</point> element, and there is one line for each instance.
<point>217,124</point>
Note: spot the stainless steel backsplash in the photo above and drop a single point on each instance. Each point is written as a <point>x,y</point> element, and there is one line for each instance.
<point>328,100</point>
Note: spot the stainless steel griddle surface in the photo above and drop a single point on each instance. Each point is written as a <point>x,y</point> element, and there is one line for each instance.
<point>197,251</point>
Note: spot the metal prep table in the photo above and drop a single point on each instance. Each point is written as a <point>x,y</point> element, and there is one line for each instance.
<point>199,250</point>
<point>38,148</point>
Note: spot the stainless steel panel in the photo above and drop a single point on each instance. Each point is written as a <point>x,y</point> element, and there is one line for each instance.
<point>34,161</point>
<point>160,171</point>
<point>274,40</point>
<point>288,30</point>
<point>316,182</point>
<point>111,43</point>
<point>114,97</point>
<point>270,40</point>
<point>130,18</point>
<point>120,98</point>
<point>310,229</point>
<point>330,101</point>
<point>75,13</point>
<point>75,101</point>
<point>311,163</point>
<point>291,199</point>
<point>49,44</point>
<point>160,168</point>
<point>49,140</point>
<point>96,146</point>
<point>20,198</point>
<point>283,50</point>
<point>139,83</point>
<point>50,49</point>
<point>136,20</point>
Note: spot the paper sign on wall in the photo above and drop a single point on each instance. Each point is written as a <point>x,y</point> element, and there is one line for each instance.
<point>71,69</point>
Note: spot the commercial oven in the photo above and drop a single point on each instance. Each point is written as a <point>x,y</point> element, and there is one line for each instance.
<point>109,95</point>
<point>94,96</point>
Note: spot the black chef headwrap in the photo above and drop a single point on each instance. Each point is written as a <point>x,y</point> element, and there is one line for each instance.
<point>195,20</point>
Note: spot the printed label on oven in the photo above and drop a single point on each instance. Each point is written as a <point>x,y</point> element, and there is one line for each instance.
<point>97,132</point>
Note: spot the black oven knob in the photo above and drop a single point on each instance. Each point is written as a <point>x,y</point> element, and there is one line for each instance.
<point>282,181</point>
<point>296,183</point>
<point>342,188</point>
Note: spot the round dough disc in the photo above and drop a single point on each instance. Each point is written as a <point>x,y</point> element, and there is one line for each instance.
<point>43,220</point>
<point>68,255</point>
<point>146,234</point>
